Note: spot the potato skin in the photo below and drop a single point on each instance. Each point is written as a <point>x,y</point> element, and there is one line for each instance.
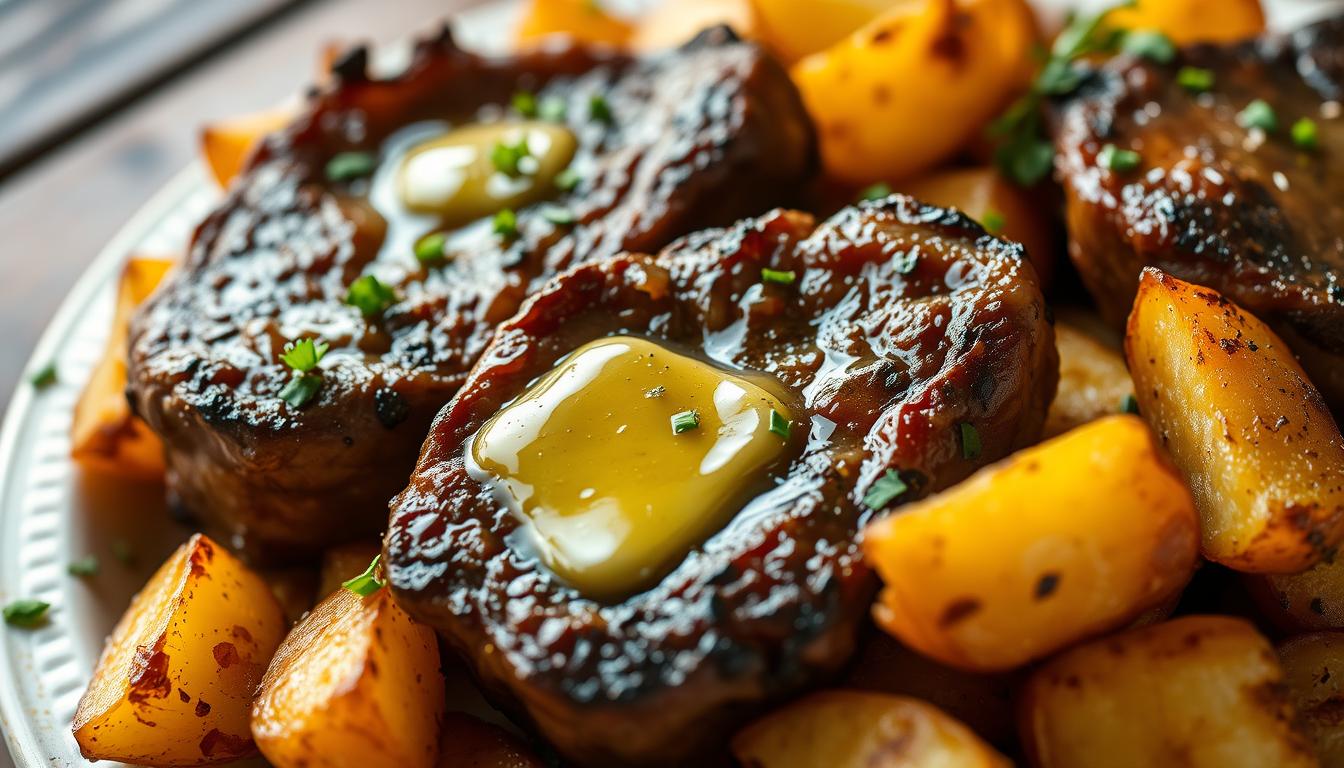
<point>1195,692</point>
<point>1313,671</point>
<point>915,84</point>
<point>1059,542</point>
<point>469,742</point>
<point>355,684</point>
<point>1235,410</point>
<point>1301,602</point>
<point>853,729</point>
<point>175,681</point>
<point>1093,379</point>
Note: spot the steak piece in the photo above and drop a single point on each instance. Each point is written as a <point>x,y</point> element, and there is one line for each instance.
<point>1244,212</point>
<point>905,324</point>
<point>696,137</point>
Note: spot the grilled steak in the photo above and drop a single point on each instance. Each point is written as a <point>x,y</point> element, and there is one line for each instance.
<point>1214,200</point>
<point>696,137</point>
<point>906,329</point>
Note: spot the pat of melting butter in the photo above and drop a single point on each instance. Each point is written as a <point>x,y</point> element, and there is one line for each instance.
<point>612,496</point>
<point>455,175</point>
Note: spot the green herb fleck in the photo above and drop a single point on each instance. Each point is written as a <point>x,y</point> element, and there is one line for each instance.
<point>508,158</point>
<point>778,276</point>
<point>553,110</point>
<point>303,355</point>
<point>26,613</point>
<point>525,104</point>
<point>366,583</point>
<point>599,110</point>
<point>1149,44</point>
<point>505,223</point>
<point>567,180</point>
<point>1258,114</point>
<point>370,296</point>
<point>685,421</point>
<point>993,222</point>
<point>430,248</point>
<point>43,377</point>
<point>1195,79</point>
<point>559,216</point>
<point>121,550</point>
<point>970,441</point>
<point>884,490</point>
<point>300,389</point>
<point>1305,134</point>
<point>877,191</point>
<point>1112,158</point>
<point>905,261</point>
<point>1130,405</point>
<point>83,567</point>
<point>351,165</point>
<point>780,425</point>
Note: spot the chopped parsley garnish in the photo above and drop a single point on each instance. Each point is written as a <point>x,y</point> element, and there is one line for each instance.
<point>875,192</point>
<point>300,389</point>
<point>1112,158</point>
<point>1258,114</point>
<point>1305,134</point>
<point>351,165</point>
<point>26,613</point>
<point>83,567</point>
<point>884,490</point>
<point>993,222</point>
<point>430,248</point>
<point>598,109</point>
<point>122,551</point>
<point>525,104</point>
<point>780,425</point>
<point>1195,79</point>
<point>778,276</point>
<point>559,216</point>
<point>905,261</point>
<point>553,110</point>
<point>505,223</point>
<point>567,180</point>
<point>1130,405</point>
<point>685,422</point>
<point>366,583</point>
<point>304,355</point>
<point>1149,44</point>
<point>43,377</point>
<point>508,158</point>
<point>370,296</point>
<point>970,441</point>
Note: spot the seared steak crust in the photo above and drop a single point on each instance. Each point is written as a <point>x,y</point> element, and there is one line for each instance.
<point>905,322</point>
<point>696,137</point>
<point>1215,202</point>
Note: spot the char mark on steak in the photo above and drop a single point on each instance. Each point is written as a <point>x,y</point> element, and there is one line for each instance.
<point>1218,200</point>
<point>695,137</point>
<point>906,327</point>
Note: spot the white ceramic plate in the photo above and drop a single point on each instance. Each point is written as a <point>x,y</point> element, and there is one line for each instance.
<point>51,514</point>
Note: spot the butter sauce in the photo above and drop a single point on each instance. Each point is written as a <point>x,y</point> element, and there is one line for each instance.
<point>611,496</point>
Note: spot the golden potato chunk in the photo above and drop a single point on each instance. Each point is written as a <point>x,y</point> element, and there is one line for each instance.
<point>175,682</point>
<point>1302,602</point>
<point>1196,692</point>
<point>583,21</point>
<point>469,742</point>
<point>1093,379</point>
<point>104,434</point>
<point>226,144</point>
<point>796,28</point>
<point>853,729</point>
<point>356,684</point>
<point>1313,671</point>
<point>1193,21</point>
<point>1062,541</point>
<point>1253,436</point>
<point>914,85</point>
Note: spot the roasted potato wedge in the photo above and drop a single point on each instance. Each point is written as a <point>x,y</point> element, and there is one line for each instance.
<point>1253,436</point>
<point>581,20</point>
<point>1195,692</point>
<point>1193,21</point>
<point>671,24</point>
<point>226,144</point>
<point>795,28</point>
<point>1313,671</point>
<point>915,84</point>
<point>1302,602</point>
<point>340,564</point>
<point>1093,379</point>
<point>175,682</point>
<point>104,434</point>
<point>854,729</point>
<point>1065,540</point>
<point>470,742</point>
<point>355,684</point>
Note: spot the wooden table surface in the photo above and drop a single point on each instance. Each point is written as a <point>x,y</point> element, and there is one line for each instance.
<point>59,210</point>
